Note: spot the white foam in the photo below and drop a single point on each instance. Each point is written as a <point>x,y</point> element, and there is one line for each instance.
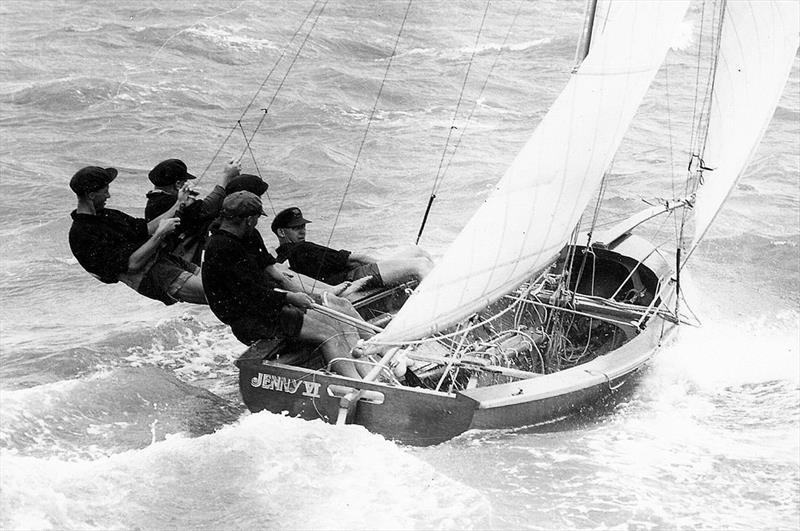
<point>229,38</point>
<point>267,471</point>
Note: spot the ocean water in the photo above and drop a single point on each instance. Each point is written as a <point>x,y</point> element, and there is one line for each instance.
<point>117,412</point>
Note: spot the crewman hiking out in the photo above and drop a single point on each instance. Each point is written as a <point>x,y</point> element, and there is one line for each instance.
<point>168,177</point>
<point>116,247</point>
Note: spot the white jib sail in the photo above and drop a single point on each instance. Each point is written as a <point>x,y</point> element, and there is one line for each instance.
<point>758,44</point>
<point>534,208</point>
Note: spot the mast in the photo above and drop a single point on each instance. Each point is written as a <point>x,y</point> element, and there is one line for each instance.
<point>586,35</point>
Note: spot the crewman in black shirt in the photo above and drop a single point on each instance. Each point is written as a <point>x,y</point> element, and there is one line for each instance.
<point>332,266</point>
<point>168,177</point>
<point>240,284</point>
<point>116,247</point>
<point>292,280</point>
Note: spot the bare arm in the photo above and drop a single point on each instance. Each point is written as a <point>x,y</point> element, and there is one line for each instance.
<point>291,281</point>
<point>142,255</point>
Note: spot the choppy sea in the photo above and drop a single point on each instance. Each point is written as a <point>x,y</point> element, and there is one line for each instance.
<point>117,412</point>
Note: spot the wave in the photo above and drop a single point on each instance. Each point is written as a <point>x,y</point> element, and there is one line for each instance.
<point>50,343</point>
<point>774,255</point>
<point>264,471</point>
<point>77,94</point>
<point>350,47</point>
<point>64,95</point>
<point>193,351</point>
<point>467,51</point>
<point>108,412</point>
<point>748,275</point>
<point>221,44</point>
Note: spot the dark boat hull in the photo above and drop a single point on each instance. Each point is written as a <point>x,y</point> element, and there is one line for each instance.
<point>422,417</point>
<point>411,415</point>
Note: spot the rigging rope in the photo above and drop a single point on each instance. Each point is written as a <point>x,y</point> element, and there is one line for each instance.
<point>671,154</point>
<point>283,79</point>
<point>266,79</point>
<point>439,174</point>
<point>716,38</point>
<point>463,130</point>
<point>699,144</point>
<point>524,293</point>
<point>588,250</point>
<point>701,110</point>
<point>366,130</point>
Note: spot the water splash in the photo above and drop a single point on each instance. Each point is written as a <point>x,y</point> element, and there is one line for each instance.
<point>265,471</point>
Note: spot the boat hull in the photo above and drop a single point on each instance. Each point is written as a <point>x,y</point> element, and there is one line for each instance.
<point>423,417</point>
<point>410,415</point>
<point>270,381</point>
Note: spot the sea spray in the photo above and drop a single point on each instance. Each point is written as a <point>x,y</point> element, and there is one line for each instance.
<point>266,471</point>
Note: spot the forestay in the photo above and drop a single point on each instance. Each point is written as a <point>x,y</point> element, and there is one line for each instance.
<point>534,208</point>
<point>758,44</point>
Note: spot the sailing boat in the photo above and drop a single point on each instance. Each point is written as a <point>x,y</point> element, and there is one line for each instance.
<point>531,321</point>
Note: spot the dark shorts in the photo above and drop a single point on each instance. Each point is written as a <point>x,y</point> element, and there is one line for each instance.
<point>369,270</point>
<point>166,277</point>
<point>288,324</point>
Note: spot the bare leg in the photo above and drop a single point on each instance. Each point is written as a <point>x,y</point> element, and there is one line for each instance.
<point>409,252</point>
<point>345,306</point>
<point>352,290</point>
<point>398,271</point>
<point>417,252</point>
<point>293,281</point>
<point>334,340</point>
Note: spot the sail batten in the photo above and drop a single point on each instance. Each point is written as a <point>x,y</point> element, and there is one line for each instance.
<point>534,208</point>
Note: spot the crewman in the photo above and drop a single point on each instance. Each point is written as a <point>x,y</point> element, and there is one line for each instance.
<point>292,280</point>
<point>332,266</point>
<point>116,247</point>
<point>168,177</point>
<point>243,289</point>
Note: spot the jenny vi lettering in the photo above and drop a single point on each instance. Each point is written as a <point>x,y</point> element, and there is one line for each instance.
<point>274,382</point>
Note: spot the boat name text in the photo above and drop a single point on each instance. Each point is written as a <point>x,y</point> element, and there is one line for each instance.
<point>273,382</point>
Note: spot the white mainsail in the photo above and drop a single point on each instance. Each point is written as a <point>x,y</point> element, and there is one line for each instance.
<point>758,44</point>
<point>534,208</point>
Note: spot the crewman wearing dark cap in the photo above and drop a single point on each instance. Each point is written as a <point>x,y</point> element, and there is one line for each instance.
<point>168,177</point>
<point>240,283</point>
<point>291,279</point>
<point>116,247</point>
<point>332,266</point>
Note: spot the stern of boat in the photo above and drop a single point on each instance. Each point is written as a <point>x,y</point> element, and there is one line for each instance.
<point>406,414</point>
